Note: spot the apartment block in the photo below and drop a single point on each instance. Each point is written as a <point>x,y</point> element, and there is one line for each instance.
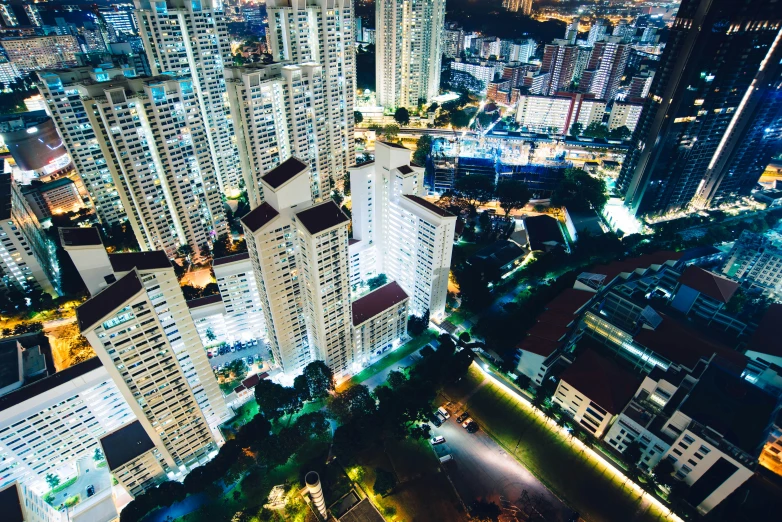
<point>624,114</point>
<point>55,197</point>
<point>321,32</point>
<point>379,322</point>
<point>410,238</point>
<point>133,458</point>
<point>409,51</point>
<point>208,314</point>
<point>755,260</point>
<point>557,114</point>
<point>281,111</point>
<point>26,257</point>
<point>191,39</point>
<point>559,60</point>
<point>243,317</point>
<point>482,71</point>
<point>606,67</point>
<point>41,52</point>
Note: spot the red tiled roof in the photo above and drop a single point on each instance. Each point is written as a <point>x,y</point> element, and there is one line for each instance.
<point>766,338</point>
<point>683,344</point>
<point>569,301</point>
<point>377,301</point>
<point>612,270</point>
<point>601,380</point>
<point>709,283</point>
<point>556,317</point>
<point>549,331</point>
<point>251,381</point>
<point>239,389</point>
<point>537,345</point>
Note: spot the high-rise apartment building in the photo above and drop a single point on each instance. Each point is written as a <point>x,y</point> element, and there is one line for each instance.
<point>453,41</point>
<point>321,32</point>
<point>559,61</point>
<point>522,6</point>
<point>522,50</point>
<point>299,252</point>
<point>409,238</point>
<point>243,315</point>
<point>409,51</point>
<point>596,32</point>
<point>26,259</point>
<point>756,260</point>
<point>119,20</point>
<point>281,111</point>
<point>557,114</point>
<point>605,68</point>
<point>191,38</point>
<point>41,52</point>
<point>707,85</point>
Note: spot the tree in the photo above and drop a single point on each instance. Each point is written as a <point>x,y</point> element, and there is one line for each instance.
<point>210,335</point>
<point>385,481</point>
<point>620,133</point>
<point>460,119</point>
<point>632,454</point>
<point>353,403</point>
<point>418,325</point>
<point>98,455</point>
<point>52,480</point>
<point>312,424</point>
<point>275,400</point>
<point>319,378</point>
<point>358,117</point>
<point>185,251</point>
<point>576,129</point>
<point>483,510</point>
<point>512,195</point>
<point>423,149</point>
<point>377,281</point>
<point>402,116</point>
<point>464,337</point>
<point>579,191</point>
<point>396,379</point>
<point>596,130</point>
<point>476,189</point>
<point>391,131</point>
<point>663,472</point>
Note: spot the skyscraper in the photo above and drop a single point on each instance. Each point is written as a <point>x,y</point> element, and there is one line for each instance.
<point>606,67</point>
<point>321,32</point>
<point>560,59</point>
<point>409,51</point>
<point>191,38</point>
<point>596,32</point>
<point>705,87</point>
<point>525,6</point>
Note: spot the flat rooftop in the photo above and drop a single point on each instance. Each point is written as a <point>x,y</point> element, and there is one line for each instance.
<point>390,144</point>
<point>243,256</point>
<point>767,335</point>
<point>127,261</point>
<point>204,301</point>
<point>322,217</point>
<point>125,444</point>
<point>258,217</point>
<point>364,511</point>
<point>377,301</point>
<point>96,308</point>
<point>284,172</point>
<point>80,236</point>
<point>428,205</point>
<point>38,387</point>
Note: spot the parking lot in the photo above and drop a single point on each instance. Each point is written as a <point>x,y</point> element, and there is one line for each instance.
<point>257,349</point>
<point>482,470</point>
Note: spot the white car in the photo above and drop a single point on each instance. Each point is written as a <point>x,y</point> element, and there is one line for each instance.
<point>437,440</point>
<point>443,412</point>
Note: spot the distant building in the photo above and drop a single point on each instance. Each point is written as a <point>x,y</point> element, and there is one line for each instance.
<point>41,52</point>
<point>501,257</point>
<point>606,68</point>
<point>624,114</point>
<point>557,114</point>
<point>55,197</point>
<point>522,6</point>
<point>755,260</point>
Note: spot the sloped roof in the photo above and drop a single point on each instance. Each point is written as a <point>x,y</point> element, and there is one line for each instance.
<point>259,216</point>
<point>709,283</point>
<point>284,172</point>
<point>542,229</point>
<point>569,301</point>
<point>537,345</point>
<point>602,380</point>
<point>645,261</point>
<point>103,303</point>
<point>322,217</point>
<point>377,301</point>
<point>552,332</point>
<point>766,338</point>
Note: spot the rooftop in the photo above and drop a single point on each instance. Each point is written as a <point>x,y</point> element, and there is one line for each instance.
<point>364,511</point>
<point>322,217</point>
<point>108,300</point>
<point>602,380</point>
<point>538,345</point>
<point>428,205</point>
<point>698,252</point>
<point>127,261</point>
<point>390,144</point>
<point>231,259</point>
<point>766,336</point>
<point>377,301</point>
<point>542,229</point>
<point>709,283</point>
<point>284,172</point>
<point>9,362</point>
<point>10,504</point>
<point>731,406</point>
<point>205,301</point>
<point>548,331</point>
<point>570,301</point>
<point>499,253</point>
<point>258,217</point>
<point>125,444</point>
<point>646,261</point>
<point>80,236</point>
<point>404,169</point>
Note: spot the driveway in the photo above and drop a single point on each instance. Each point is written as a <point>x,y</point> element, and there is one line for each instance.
<point>481,469</point>
<point>89,475</point>
<point>380,378</point>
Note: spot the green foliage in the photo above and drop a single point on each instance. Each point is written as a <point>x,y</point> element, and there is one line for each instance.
<point>512,195</point>
<point>663,472</point>
<point>418,325</point>
<point>579,191</point>
<point>620,133</point>
<point>377,281</point>
<point>460,119</point>
<point>596,130</point>
<point>390,131</point>
<point>319,379</point>
<point>402,116</point>
<point>351,404</point>
<point>475,189</point>
<point>423,149</point>
<point>464,337</point>
<point>632,454</point>
<point>385,481</point>
<point>358,117</point>
<point>52,480</point>
<point>98,455</point>
<point>275,400</point>
<point>577,129</point>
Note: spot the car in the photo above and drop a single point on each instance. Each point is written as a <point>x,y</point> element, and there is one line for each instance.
<point>446,458</point>
<point>437,440</point>
<point>437,421</point>
<point>443,412</point>
<point>209,355</point>
<point>462,417</point>
<point>233,349</point>
<point>472,427</point>
<point>90,490</point>
<point>467,422</point>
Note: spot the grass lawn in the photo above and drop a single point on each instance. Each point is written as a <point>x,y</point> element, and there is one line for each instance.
<point>390,359</point>
<point>583,483</point>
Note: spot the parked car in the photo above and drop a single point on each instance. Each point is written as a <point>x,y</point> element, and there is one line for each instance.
<point>437,440</point>
<point>472,427</point>
<point>443,412</point>
<point>466,422</point>
<point>90,490</point>
<point>437,421</point>
<point>462,417</point>
<point>446,458</point>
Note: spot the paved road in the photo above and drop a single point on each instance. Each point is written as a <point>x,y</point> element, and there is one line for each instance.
<point>54,323</point>
<point>481,469</point>
<point>380,378</point>
<point>89,475</point>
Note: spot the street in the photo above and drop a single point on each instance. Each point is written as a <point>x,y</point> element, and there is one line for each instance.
<point>481,469</point>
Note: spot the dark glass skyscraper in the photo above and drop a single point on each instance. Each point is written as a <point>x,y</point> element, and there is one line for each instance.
<point>705,103</point>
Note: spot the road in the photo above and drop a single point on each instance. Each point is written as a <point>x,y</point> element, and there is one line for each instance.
<point>380,378</point>
<point>481,469</point>
<point>89,475</point>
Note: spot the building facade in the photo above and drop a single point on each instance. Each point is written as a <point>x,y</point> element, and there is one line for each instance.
<point>239,292</point>
<point>41,52</point>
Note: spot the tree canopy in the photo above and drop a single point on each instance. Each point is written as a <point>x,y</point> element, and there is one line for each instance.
<point>579,191</point>
<point>358,117</point>
<point>402,116</point>
<point>512,195</point>
<point>476,189</point>
<point>377,281</point>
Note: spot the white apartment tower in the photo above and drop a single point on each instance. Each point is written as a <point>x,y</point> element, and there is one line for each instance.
<point>280,111</point>
<point>243,316</point>
<point>409,48</point>
<point>191,39</point>
<point>321,32</point>
<point>299,253</point>
<point>410,238</point>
